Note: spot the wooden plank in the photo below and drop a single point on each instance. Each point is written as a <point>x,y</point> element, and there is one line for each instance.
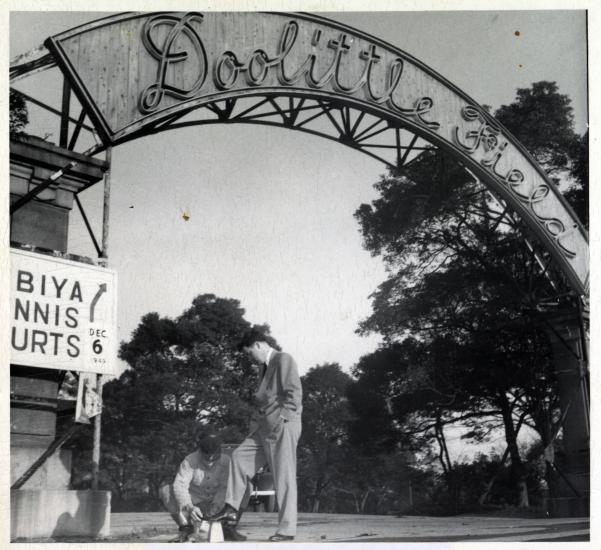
<point>117,75</point>
<point>86,69</point>
<point>101,47</point>
<point>133,74</point>
<point>71,48</point>
<point>120,86</point>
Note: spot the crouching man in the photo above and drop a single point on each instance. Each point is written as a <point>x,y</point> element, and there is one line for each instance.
<point>198,489</point>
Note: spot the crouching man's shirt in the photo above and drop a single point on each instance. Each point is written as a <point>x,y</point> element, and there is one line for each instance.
<point>199,482</point>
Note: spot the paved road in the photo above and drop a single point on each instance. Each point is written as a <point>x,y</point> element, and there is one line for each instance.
<point>158,527</point>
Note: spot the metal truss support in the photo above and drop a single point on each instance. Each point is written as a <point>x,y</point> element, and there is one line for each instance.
<point>371,135</point>
<point>79,125</point>
<point>66,107</point>
<point>54,111</point>
<point>88,226</point>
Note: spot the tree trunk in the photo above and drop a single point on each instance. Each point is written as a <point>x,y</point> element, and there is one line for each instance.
<point>445,460</point>
<point>153,486</point>
<point>543,422</point>
<point>490,484</point>
<point>364,502</point>
<point>523,501</point>
<point>517,466</point>
<point>315,505</point>
<point>320,486</point>
<point>357,505</point>
<point>443,455</point>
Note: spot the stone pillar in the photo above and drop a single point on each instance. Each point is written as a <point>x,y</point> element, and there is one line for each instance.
<point>571,369</point>
<point>41,225</point>
<point>33,410</point>
<point>44,221</point>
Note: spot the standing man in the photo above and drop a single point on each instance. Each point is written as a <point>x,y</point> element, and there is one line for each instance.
<point>274,432</point>
<point>198,489</point>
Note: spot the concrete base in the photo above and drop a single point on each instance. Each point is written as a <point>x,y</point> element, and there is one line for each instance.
<point>54,474</point>
<point>49,514</point>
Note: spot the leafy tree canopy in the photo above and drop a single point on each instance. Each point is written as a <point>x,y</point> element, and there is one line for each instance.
<point>184,373</point>
<point>18,115</point>
<point>464,283</point>
<point>542,120</point>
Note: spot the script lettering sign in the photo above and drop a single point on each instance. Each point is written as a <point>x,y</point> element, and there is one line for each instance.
<point>139,67</point>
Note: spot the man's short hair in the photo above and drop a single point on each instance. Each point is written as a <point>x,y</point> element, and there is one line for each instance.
<point>208,439</point>
<point>250,337</point>
<point>206,430</point>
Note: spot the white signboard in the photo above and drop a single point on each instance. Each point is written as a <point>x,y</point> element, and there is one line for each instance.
<point>63,314</point>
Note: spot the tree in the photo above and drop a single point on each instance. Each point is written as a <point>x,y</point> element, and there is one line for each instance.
<point>373,483</point>
<point>183,373</point>
<point>463,278</point>
<point>18,115</point>
<point>324,442</point>
<point>577,194</point>
<point>393,395</point>
<point>542,120</point>
<point>336,473</point>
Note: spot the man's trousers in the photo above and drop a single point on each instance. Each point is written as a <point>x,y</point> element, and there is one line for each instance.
<point>278,448</point>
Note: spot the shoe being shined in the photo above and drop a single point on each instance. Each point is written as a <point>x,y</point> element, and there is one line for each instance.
<point>228,514</point>
<point>185,532</point>
<point>231,534</point>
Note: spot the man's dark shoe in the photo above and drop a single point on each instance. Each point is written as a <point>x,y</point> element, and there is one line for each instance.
<point>228,514</point>
<point>280,538</point>
<point>230,534</point>
<point>185,532</point>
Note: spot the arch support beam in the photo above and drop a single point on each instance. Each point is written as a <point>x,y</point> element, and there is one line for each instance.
<point>569,342</point>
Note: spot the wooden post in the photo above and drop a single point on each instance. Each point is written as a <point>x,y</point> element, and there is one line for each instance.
<point>104,257</point>
<point>96,448</point>
<point>106,206</point>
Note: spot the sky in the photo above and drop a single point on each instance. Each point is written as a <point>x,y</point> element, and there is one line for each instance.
<point>271,211</point>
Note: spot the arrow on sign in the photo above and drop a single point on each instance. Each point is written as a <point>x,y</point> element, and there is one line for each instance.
<point>101,291</point>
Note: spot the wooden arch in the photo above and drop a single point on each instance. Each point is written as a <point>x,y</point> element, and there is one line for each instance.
<point>142,73</point>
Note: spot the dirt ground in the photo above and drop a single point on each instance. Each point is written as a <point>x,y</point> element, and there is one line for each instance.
<point>158,527</point>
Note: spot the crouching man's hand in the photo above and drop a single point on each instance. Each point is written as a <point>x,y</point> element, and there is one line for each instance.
<point>196,514</point>
<point>192,513</point>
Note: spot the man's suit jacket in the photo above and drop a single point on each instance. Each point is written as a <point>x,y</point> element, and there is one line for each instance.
<point>279,395</point>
